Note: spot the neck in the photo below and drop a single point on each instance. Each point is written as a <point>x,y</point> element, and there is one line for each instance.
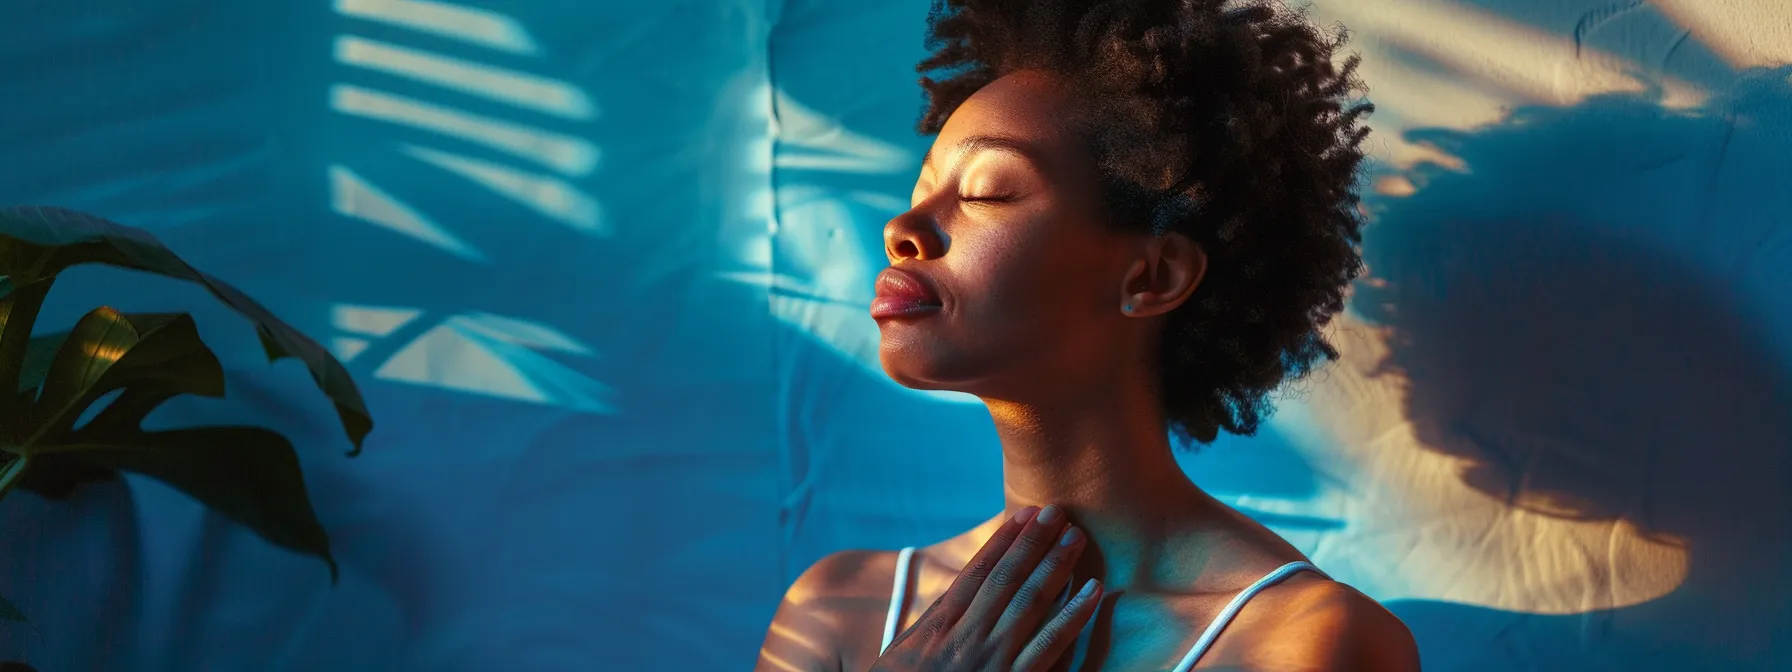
<point>1105,459</point>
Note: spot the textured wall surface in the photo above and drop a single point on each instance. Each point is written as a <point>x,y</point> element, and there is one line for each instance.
<point>602,269</point>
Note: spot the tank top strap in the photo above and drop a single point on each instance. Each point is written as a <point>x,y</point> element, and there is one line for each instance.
<point>1238,601</point>
<point>898,589</point>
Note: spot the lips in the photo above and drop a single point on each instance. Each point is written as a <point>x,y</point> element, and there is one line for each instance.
<point>903,294</point>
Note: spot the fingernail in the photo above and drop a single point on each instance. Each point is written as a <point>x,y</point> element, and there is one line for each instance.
<point>1025,513</point>
<point>1070,536</point>
<point>1049,514</point>
<point>1088,589</point>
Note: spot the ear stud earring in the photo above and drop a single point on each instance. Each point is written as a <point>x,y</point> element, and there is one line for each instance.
<point>1127,308</point>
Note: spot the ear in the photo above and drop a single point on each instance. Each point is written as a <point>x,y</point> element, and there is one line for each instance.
<point>1164,276</point>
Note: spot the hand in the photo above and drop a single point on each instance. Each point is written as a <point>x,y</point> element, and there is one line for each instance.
<point>990,619</point>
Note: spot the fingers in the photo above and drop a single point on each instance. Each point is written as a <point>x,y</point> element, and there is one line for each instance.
<point>1016,565</point>
<point>1043,587</point>
<point>963,592</point>
<point>1061,631</point>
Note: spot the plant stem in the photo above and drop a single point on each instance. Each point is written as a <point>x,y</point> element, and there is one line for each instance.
<point>14,469</point>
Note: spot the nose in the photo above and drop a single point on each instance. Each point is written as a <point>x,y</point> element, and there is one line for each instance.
<point>913,235</point>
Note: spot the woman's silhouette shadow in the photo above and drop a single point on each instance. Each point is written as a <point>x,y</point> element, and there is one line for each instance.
<point>1589,317</point>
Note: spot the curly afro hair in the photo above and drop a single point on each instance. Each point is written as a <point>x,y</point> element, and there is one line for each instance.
<point>1224,121</point>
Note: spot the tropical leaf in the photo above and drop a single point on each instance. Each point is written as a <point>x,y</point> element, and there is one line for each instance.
<point>150,357</point>
<point>18,312</point>
<point>56,475</point>
<point>250,475</point>
<point>49,383</point>
<point>36,243</point>
<point>51,476</point>
<point>36,363</point>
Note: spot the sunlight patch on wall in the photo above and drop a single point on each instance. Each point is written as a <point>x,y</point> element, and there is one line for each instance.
<point>1518,60</point>
<point>809,140</point>
<point>519,89</point>
<point>1444,64</point>
<point>471,352</point>
<point>366,321</point>
<point>815,262</point>
<point>477,353</point>
<point>567,154</point>
<point>464,24</point>
<point>1408,97</point>
<point>822,279</point>
<point>1415,530</point>
<point>524,333</point>
<point>353,196</point>
<point>1746,33</point>
<point>549,196</point>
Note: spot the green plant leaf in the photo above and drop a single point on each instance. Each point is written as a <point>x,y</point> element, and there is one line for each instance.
<point>249,474</point>
<point>18,313</point>
<point>38,242</point>
<point>38,355</point>
<point>51,476</point>
<point>150,357</point>
<point>56,475</point>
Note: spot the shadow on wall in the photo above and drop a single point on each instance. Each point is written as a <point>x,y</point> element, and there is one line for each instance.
<point>1583,317</point>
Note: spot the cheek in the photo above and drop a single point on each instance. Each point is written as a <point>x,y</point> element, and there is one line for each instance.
<point>1029,277</point>
<point>1020,296</point>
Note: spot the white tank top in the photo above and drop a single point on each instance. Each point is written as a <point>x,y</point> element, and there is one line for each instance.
<point>899,589</point>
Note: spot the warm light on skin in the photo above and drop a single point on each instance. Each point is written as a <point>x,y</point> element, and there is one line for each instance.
<point>779,663</point>
<point>794,637</point>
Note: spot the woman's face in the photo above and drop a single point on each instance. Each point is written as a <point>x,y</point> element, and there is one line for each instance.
<point>1003,276</point>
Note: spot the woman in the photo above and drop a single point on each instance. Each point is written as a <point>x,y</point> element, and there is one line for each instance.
<point>1136,216</point>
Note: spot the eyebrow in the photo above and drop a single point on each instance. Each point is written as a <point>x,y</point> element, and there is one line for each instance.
<point>980,143</point>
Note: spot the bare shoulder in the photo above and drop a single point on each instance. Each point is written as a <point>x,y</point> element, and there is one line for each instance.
<point>843,574</point>
<point>1318,624</point>
<point>834,603</point>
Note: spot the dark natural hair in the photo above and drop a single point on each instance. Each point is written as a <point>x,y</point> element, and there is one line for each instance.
<point>1225,121</point>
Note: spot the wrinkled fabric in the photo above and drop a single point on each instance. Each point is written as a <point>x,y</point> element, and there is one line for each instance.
<point>602,270</point>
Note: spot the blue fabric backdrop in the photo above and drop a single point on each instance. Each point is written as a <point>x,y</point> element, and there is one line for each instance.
<point>602,268</point>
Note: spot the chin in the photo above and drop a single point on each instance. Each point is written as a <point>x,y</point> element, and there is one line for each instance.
<point>932,366</point>
<point>917,363</point>
<point>907,369</point>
